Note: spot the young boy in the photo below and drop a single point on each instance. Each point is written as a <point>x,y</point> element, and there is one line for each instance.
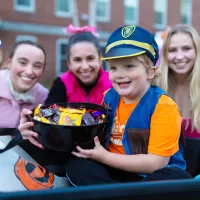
<point>143,143</point>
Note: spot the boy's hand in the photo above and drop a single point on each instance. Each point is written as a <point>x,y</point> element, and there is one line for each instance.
<point>97,153</point>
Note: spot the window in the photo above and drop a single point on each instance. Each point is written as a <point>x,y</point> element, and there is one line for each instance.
<point>160,8</point>
<point>61,56</point>
<point>186,11</point>
<point>63,8</point>
<point>24,5</point>
<point>131,12</point>
<point>103,10</point>
<point>26,37</point>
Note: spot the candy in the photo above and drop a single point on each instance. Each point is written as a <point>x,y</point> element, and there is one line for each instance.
<point>70,119</point>
<point>56,118</point>
<point>37,110</point>
<point>45,120</point>
<point>71,110</point>
<point>88,119</point>
<point>97,113</point>
<point>37,118</point>
<point>68,116</point>
<point>47,112</point>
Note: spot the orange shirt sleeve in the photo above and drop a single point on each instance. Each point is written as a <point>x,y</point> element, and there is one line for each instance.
<point>165,128</point>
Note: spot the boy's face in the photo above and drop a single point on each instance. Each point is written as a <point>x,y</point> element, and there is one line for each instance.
<point>129,78</point>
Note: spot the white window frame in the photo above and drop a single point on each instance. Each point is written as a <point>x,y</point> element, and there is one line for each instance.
<point>58,54</point>
<point>136,17</point>
<point>21,8</point>
<point>62,14</point>
<point>164,17</point>
<point>188,14</point>
<point>104,19</point>
<point>26,37</point>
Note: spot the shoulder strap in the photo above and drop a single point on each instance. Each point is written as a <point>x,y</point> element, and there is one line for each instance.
<point>110,94</point>
<point>15,141</point>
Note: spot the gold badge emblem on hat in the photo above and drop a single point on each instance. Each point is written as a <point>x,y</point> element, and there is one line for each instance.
<point>127,31</point>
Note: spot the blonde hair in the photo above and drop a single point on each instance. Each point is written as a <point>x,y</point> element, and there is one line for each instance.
<point>166,81</point>
<point>146,61</point>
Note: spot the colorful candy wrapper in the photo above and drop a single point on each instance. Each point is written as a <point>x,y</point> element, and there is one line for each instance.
<point>45,120</point>
<point>37,118</point>
<point>51,120</point>
<point>47,112</point>
<point>37,110</point>
<point>55,114</point>
<point>70,119</point>
<point>41,119</point>
<point>72,110</point>
<point>56,118</point>
<point>97,113</point>
<point>88,119</point>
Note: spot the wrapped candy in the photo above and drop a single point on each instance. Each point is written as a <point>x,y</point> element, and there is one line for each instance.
<point>37,110</point>
<point>69,119</point>
<point>88,119</point>
<point>45,120</point>
<point>72,110</point>
<point>47,112</point>
<point>59,115</point>
<point>37,118</point>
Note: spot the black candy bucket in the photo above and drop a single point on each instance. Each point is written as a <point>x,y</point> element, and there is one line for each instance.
<point>66,138</point>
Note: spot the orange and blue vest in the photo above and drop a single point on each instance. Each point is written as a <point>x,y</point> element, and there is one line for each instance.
<point>140,118</point>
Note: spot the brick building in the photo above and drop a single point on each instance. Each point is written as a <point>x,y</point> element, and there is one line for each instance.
<point>45,20</point>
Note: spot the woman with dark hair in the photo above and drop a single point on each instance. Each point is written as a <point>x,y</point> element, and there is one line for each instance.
<point>85,75</point>
<point>85,81</point>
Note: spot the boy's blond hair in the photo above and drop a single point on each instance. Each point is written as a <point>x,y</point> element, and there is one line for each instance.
<point>146,61</point>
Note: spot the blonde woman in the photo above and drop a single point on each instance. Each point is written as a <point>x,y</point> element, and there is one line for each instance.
<point>180,77</point>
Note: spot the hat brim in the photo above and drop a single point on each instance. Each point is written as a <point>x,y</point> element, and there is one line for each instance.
<point>122,53</point>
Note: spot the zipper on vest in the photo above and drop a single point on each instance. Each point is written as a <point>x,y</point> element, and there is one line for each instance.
<point>87,98</point>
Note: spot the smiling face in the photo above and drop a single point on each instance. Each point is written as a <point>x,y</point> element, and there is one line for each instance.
<point>129,78</point>
<point>26,67</point>
<point>181,53</point>
<point>84,62</point>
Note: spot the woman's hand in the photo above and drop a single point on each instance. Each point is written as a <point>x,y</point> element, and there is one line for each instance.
<point>25,128</point>
<point>98,153</point>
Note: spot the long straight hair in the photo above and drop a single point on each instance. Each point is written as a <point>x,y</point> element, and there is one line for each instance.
<point>166,80</point>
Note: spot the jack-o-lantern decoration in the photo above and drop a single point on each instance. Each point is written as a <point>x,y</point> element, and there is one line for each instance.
<point>33,176</point>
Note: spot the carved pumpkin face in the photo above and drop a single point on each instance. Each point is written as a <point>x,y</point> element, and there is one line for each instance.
<point>33,176</point>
